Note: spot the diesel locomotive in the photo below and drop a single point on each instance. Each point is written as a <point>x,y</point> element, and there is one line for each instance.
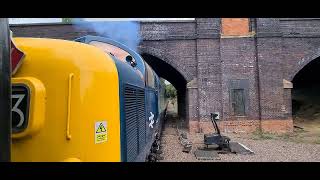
<point>88,100</point>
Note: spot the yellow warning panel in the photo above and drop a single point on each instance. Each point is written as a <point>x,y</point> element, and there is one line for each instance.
<point>101,128</point>
<point>100,132</point>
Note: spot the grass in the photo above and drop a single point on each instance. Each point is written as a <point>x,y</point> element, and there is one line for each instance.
<point>298,136</point>
<point>317,141</point>
<point>258,135</point>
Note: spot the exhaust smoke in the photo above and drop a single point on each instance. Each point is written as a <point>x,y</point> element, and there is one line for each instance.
<point>125,32</point>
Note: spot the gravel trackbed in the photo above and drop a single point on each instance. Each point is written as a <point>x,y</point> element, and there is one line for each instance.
<point>265,150</point>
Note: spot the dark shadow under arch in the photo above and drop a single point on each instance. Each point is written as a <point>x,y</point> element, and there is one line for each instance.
<point>306,94</point>
<point>166,71</point>
<point>302,63</point>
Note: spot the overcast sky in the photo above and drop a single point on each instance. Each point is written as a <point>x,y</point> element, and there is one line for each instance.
<point>55,20</point>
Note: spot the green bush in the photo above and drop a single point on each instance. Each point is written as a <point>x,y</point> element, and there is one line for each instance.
<point>171,92</point>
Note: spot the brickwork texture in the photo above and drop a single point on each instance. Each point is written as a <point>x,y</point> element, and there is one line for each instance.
<point>213,55</point>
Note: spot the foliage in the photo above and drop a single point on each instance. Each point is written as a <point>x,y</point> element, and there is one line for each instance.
<point>67,20</point>
<point>162,82</point>
<point>171,92</point>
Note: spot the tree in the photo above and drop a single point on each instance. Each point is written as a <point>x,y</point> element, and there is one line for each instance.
<point>67,20</point>
<point>162,82</point>
<point>171,92</point>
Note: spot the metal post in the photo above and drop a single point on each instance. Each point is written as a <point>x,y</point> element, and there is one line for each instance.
<point>5,92</point>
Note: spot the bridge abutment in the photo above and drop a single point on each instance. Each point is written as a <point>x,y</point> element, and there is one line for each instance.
<point>235,67</point>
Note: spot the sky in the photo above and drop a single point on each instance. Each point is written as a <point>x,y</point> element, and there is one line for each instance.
<point>57,20</point>
<point>166,82</point>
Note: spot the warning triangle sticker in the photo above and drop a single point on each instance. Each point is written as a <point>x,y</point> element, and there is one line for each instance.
<point>101,128</point>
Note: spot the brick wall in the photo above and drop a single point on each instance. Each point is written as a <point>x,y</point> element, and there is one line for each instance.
<point>209,52</point>
<point>244,126</point>
<point>239,63</point>
<point>209,77</point>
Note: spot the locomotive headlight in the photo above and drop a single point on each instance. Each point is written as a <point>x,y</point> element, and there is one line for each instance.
<point>28,106</point>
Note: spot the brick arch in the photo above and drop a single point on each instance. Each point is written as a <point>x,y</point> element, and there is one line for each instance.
<point>303,62</point>
<point>160,54</point>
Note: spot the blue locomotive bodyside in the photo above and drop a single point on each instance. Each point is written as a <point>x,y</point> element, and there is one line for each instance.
<point>142,103</point>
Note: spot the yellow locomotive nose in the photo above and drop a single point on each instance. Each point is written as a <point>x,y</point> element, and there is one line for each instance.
<point>72,160</point>
<point>67,85</point>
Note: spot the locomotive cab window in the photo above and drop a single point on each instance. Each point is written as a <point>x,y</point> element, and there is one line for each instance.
<point>150,80</point>
<point>113,50</point>
<point>119,53</point>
